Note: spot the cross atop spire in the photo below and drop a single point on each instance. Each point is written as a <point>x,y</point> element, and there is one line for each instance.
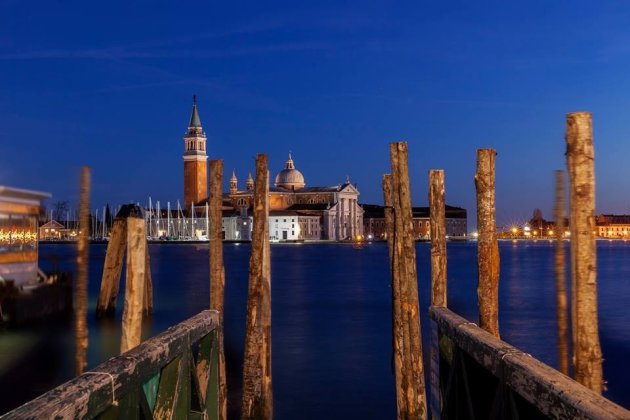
<point>195,122</point>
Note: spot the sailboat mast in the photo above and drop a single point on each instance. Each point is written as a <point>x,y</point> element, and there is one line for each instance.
<point>168,219</point>
<point>192,219</point>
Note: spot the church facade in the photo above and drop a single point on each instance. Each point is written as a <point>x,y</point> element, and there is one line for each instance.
<point>328,212</point>
<point>335,208</point>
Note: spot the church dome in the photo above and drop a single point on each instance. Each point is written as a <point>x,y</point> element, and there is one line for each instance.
<point>290,178</point>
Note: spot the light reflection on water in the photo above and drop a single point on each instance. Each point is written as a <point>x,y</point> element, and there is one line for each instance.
<point>331,316</point>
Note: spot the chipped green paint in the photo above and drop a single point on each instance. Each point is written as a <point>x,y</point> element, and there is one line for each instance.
<point>157,379</point>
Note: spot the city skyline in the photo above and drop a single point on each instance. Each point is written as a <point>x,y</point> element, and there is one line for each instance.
<point>334,85</point>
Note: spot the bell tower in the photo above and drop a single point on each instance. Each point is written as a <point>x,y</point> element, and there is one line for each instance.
<point>195,160</point>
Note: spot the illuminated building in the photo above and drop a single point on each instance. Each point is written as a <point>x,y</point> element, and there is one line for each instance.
<point>19,210</point>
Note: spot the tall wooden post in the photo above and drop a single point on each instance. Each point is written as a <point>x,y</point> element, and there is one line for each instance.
<point>487,245</point>
<point>438,237</point>
<point>561,293</point>
<point>134,283</point>
<point>81,286</point>
<point>217,271</point>
<point>257,389</point>
<point>406,278</point>
<point>587,353</point>
<point>397,326</point>
<point>437,212</point>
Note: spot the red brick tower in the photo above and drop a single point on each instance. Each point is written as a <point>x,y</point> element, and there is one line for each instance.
<point>195,160</point>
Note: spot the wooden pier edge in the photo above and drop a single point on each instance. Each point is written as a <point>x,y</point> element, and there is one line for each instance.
<point>95,391</point>
<point>553,393</point>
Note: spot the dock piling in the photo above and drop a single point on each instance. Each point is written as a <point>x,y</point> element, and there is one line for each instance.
<point>587,354</point>
<point>437,214</point>
<point>81,286</point>
<point>406,279</point>
<point>134,283</point>
<point>487,245</point>
<point>257,386</point>
<point>217,272</point>
<point>397,326</point>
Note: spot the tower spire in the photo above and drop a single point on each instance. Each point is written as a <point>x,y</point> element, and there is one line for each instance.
<point>195,121</point>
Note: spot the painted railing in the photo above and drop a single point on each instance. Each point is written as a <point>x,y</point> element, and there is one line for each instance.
<point>173,375</point>
<point>477,376</point>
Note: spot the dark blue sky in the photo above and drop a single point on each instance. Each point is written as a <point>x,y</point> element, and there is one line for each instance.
<point>109,85</point>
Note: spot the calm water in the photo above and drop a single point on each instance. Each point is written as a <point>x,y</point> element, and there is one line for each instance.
<point>331,319</point>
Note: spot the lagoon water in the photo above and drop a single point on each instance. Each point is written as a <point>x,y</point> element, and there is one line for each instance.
<point>331,310</point>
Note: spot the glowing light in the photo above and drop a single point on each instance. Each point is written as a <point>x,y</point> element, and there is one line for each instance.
<point>475,234</point>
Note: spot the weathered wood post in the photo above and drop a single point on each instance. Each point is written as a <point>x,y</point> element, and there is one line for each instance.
<point>81,286</point>
<point>406,278</point>
<point>561,293</point>
<point>587,353</point>
<point>106,305</point>
<point>438,237</point>
<point>217,271</point>
<point>257,389</point>
<point>487,245</point>
<point>437,213</point>
<point>114,259</point>
<point>397,328</point>
<point>134,282</point>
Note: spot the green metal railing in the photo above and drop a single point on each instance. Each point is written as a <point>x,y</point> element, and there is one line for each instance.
<point>475,375</point>
<point>173,375</point>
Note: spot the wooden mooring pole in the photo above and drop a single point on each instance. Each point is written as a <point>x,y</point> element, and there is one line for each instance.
<point>587,354</point>
<point>134,283</point>
<point>114,259</point>
<point>217,272</point>
<point>437,214</point>
<point>406,279</point>
<point>561,292</point>
<point>257,389</point>
<point>397,326</point>
<point>81,286</point>
<point>487,245</point>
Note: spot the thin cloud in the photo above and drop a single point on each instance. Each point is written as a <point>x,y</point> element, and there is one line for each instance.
<point>122,54</point>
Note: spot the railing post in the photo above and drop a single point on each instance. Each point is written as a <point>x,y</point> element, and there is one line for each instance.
<point>405,276</point>
<point>487,245</point>
<point>257,389</point>
<point>587,353</point>
<point>134,282</point>
<point>217,272</point>
<point>81,291</point>
<point>561,293</point>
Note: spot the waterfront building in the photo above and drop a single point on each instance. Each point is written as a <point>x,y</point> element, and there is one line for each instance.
<point>19,211</point>
<point>53,230</point>
<point>236,227</point>
<point>283,226</point>
<point>336,207</point>
<point>374,222</point>
<point>613,225</point>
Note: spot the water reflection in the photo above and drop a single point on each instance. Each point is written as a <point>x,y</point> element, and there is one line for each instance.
<point>332,318</point>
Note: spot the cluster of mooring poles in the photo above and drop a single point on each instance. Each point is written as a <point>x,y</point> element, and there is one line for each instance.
<point>407,350</point>
<point>129,234</point>
<point>257,400</point>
